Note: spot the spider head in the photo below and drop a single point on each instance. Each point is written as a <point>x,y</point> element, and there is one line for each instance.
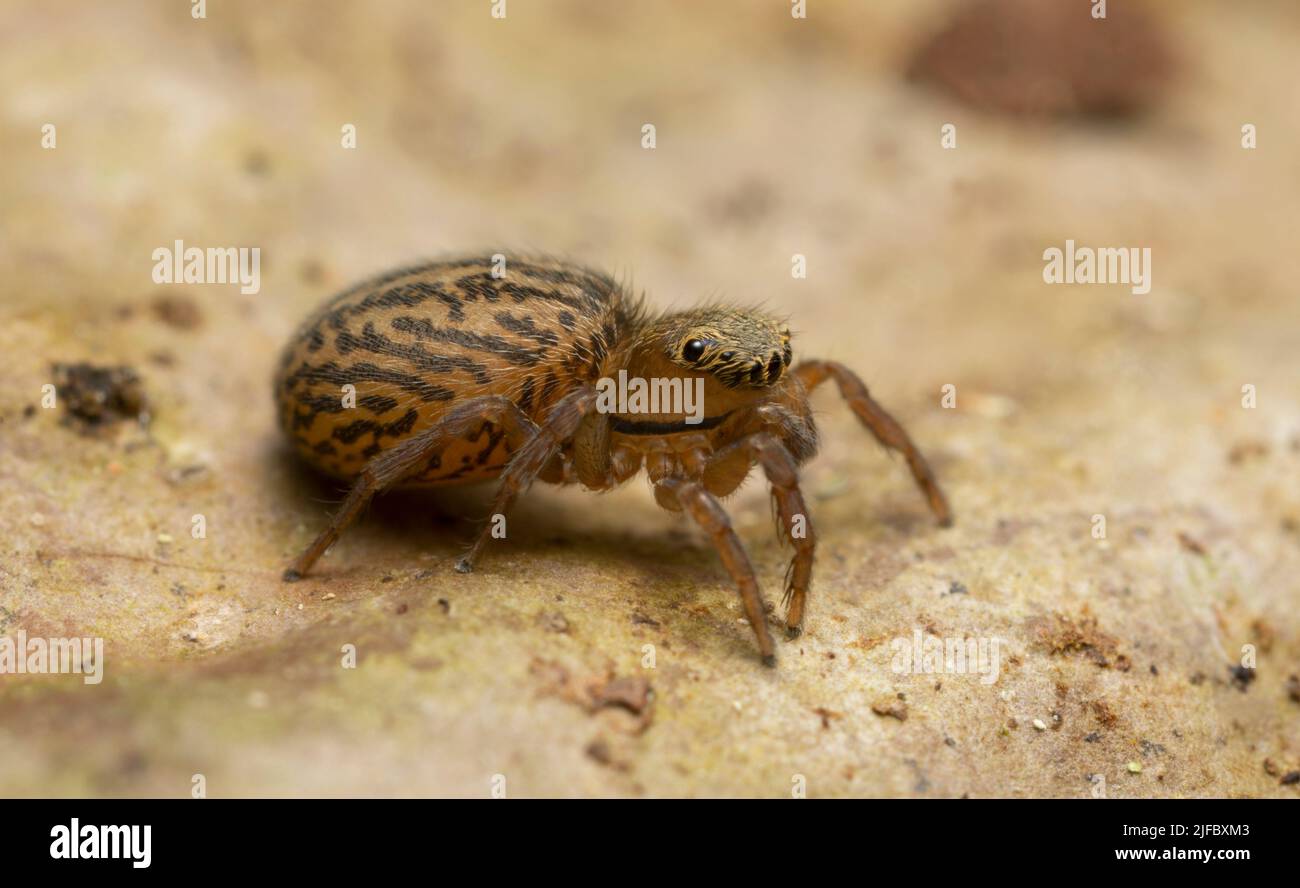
<point>741,349</point>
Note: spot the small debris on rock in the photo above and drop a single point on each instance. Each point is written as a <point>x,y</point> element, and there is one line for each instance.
<point>633,693</point>
<point>1241,676</point>
<point>180,312</point>
<point>1105,716</point>
<point>1062,634</point>
<point>100,395</point>
<point>826,716</point>
<point>892,708</point>
<point>1149,749</point>
<point>598,750</point>
<point>1243,450</point>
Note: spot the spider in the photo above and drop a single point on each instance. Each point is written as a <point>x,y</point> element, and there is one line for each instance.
<point>470,369</point>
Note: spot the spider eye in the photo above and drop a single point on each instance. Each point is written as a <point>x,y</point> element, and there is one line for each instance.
<point>693,351</point>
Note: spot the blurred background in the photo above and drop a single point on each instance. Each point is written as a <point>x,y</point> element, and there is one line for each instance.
<point>774,136</point>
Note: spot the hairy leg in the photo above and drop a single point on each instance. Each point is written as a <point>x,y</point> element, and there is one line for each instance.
<point>885,428</point>
<point>796,525</point>
<point>528,461</point>
<point>391,466</point>
<point>709,514</point>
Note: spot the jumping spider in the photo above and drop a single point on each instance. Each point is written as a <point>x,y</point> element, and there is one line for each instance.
<point>464,372</point>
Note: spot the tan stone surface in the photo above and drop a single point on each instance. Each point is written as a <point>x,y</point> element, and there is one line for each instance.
<point>774,137</point>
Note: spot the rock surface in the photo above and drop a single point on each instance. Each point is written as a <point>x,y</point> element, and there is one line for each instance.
<point>1119,657</point>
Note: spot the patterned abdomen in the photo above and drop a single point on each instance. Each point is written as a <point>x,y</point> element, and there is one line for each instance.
<point>418,340</point>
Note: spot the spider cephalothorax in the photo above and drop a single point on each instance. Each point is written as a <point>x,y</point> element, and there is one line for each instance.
<point>740,348</point>
<point>461,373</point>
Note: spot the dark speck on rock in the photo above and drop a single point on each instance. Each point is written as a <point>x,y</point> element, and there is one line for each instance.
<point>100,395</point>
<point>179,312</point>
<point>1149,748</point>
<point>1242,676</point>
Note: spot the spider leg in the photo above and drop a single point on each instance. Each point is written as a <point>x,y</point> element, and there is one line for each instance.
<point>712,518</point>
<point>795,524</point>
<point>883,426</point>
<point>530,459</point>
<point>396,463</point>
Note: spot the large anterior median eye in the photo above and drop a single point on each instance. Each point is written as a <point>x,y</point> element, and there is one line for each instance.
<point>693,351</point>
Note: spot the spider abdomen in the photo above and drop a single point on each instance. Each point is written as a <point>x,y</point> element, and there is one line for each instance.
<point>386,359</point>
